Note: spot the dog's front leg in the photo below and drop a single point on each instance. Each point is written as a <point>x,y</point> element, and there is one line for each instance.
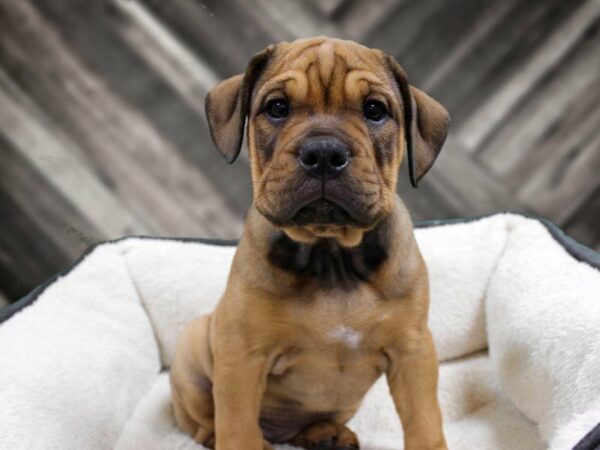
<point>239,382</point>
<point>413,377</point>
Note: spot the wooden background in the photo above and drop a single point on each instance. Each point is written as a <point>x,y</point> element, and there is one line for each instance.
<point>103,134</point>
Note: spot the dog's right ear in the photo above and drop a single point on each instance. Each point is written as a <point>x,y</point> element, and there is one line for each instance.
<point>228,104</point>
<point>425,124</point>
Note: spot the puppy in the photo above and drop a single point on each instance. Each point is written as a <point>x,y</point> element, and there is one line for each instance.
<point>327,289</point>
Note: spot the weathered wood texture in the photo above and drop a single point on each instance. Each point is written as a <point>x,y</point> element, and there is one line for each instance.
<point>103,134</point>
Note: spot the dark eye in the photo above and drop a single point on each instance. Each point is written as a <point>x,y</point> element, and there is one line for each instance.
<point>374,111</point>
<point>277,108</point>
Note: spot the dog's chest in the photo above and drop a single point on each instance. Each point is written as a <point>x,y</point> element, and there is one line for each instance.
<point>341,321</point>
<point>334,354</point>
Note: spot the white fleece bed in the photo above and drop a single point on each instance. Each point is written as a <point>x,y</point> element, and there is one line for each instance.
<point>515,313</point>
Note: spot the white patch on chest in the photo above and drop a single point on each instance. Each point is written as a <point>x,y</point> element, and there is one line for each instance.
<point>346,335</point>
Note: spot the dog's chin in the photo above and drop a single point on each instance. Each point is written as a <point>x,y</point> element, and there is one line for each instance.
<point>323,218</point>
<point>315,212</point>
<point>323,212</point>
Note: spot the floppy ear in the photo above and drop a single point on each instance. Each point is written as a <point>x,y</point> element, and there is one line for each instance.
<point>228,103</point>
<point>425,125</point>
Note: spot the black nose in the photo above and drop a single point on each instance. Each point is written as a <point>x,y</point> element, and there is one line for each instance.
<point>324,157</point>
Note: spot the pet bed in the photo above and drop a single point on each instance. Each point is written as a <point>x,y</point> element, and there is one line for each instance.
<point>515,313</point>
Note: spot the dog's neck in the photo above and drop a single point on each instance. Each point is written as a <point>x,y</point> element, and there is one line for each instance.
<point>325,263</point>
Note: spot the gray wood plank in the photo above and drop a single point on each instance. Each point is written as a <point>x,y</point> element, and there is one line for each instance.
<point>357,18</point>
<point>499,105</point>
<point>577,121</point>
<point>447,50</point>
<point>56,219</point>
<point>191,77</point>
<point>424,202</point>
<point>401,26</point>
<point>3,300</point>
<point>25,261</point>
<point>147,171</point>
<point>295,19</point>
<point>497,49</point>
<point>221,30</point>
<point>520,133</point>
<point>96,36</point>
<point>567,180</point>
<point>448,27</point>
<point>101,110</point>
<point>466,186</point>
<point>61,164</point>
<point>328,7</point>
<point>584,225</point>
<point>41,233</point>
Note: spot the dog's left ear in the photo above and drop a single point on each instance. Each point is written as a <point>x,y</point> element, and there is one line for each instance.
<point>228,103</point>
<point>425,124</point>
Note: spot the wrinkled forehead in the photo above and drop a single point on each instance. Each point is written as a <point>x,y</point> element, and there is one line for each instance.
<point>330,71</point>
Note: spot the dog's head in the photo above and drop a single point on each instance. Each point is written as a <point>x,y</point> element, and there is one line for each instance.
<point>329,122</point>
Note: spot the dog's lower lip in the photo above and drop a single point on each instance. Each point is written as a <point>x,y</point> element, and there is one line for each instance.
<point>323,212</point>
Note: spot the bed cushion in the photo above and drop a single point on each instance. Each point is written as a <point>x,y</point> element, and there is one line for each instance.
<point>515,309</point>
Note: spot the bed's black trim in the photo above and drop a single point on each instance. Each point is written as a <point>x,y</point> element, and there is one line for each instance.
<point>580,252</point>
<point>590,441</point>
<point>8,311</point>
<point>577,250</point>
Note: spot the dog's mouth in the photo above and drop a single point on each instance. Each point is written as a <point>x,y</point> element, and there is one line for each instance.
<point>323,212</point>
<point>311,202</point>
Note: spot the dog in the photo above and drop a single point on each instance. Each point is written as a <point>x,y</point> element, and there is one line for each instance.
<point>327,289</point>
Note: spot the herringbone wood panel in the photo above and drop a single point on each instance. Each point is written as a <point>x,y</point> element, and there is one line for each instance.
<point>103,134</point>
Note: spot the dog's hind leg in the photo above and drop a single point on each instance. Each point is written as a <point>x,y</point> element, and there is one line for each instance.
<point>327,435</point>
<point>200,425</point>
<point>191,385</point>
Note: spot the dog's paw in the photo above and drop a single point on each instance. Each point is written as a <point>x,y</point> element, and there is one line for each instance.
<point>324,444</point>
<point>332,444</point>
<point>205,437</point>
<point>327,435</point>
